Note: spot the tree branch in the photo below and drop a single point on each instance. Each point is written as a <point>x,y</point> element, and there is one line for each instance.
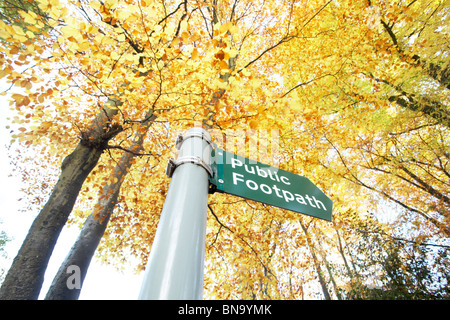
<point>217,219</point>
<point>285,38</point>
<point>245,241</point>
<point>435,71</point>
<point>129,151</point>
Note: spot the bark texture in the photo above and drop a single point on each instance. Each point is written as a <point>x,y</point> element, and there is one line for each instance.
<point>24,279</point>
<point>93,229</point>
<point>26,274</point>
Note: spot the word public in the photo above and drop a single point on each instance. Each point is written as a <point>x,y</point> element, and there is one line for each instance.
<point>274,184</point>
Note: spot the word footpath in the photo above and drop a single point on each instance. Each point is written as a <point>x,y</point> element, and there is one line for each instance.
<point>269,175</point>
<point>253,180</point>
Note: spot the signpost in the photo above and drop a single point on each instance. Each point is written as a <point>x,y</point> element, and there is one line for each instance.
<point>175,266</point>
<point>253,180</point>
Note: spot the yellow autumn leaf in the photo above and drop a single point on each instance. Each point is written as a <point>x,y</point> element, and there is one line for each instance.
<point>246,73</point>
<point>316,75</point>
<point>194,54</point>
<point>223,64</point>
<point>253,124</point>
<point>4,34</point>
<point>69,32</point>
<point>121,37</point>
<point>28,18</point>
<point>114,55</point>
<point>225,27</point>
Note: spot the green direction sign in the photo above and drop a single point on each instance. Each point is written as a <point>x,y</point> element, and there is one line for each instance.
<point>253,180</point>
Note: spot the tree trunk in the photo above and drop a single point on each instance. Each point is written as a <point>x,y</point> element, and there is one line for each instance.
<point>323,255</point>
<point>341,251</point>
<point>80,255</point>
<point>439,73</point>
<point>83,250</point>
<point>24,279</point>
<point>433,109</point>
<point>323,284</point>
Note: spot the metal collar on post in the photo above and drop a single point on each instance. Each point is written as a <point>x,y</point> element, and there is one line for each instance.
<point>191,134</point>
<point>173,164</point>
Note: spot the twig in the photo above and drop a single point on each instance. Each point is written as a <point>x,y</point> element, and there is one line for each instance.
<point>130,151</point>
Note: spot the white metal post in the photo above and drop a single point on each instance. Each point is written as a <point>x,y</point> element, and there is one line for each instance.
<point>175,266</point>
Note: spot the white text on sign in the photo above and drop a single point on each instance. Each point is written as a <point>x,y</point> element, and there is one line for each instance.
<point>272,176</point>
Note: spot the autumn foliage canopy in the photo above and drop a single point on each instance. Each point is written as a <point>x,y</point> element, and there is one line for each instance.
<point>357,93</point>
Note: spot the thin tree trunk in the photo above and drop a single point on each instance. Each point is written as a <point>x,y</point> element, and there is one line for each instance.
<point>433,109</point>
<point>81,253</point>
<point>323,284</point>
<point>330,272</point>
<point>417,103</point>
<point>341,251</point>
<point>440,225</point>
<point>435,71</point>
<point>24,279</point>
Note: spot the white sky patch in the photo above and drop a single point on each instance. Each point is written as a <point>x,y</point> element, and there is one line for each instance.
<point>102,282</point>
